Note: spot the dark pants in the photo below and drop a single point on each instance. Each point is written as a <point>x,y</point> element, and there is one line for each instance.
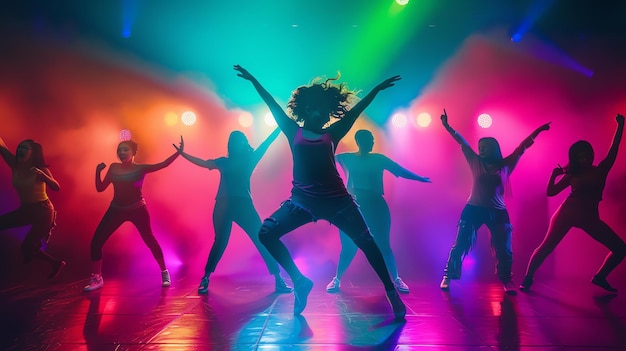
<point>342,212</point>
<point>40,216</point>
<point>241,211</point>
<point>113,219</point>
<point>499,225</point>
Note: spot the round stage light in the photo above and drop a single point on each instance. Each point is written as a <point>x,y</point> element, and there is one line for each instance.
<point>484,120</point>
<point>398,120</point>
<point>424,119</point>
<point>125,135</point>
<point>269,120</point>
<point>189,118</point>
<point>245,119</point>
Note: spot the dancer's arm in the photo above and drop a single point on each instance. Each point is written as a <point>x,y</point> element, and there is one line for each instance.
<point>609,160</point>
<point>262,149</point>
<point>555,187</point>
<point>526,143</point>
<point>402,172</point>
<point>168,161</point>
<point>46,176</point>
<point>102,184</point>
<point>210,164</point>
<point>7,155</point>
<point>458,137</point>
<point>341,127</point>
<point>286,124</point>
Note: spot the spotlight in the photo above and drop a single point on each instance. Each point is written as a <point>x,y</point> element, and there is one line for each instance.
<point>402,2</point>
<point>245,119</point>
<point>125,135</point>
<point>424,119</point>
<point>188,118</point>
<point>269,119</point>
<point>398,120</point>
<point>484,120</point>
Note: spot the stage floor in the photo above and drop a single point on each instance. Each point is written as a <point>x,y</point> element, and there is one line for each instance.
<point>239,313</point>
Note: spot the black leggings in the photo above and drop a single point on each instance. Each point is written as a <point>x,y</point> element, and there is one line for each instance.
<point>342,212</point>
<point>40,215</point>
<point>113,219</point>
<point>499,224</point>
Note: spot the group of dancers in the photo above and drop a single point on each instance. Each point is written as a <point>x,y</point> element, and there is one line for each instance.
<point>317,117</point>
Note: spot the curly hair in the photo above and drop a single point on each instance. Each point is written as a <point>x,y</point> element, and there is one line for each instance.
<point>131,144</point>
<point>335,99</point>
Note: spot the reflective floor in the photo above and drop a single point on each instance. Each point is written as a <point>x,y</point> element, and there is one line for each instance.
<point>243,313</point>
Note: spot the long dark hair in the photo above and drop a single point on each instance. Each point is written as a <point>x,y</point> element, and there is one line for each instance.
<point>497,157</point>
<point>581,146</point>
<point>36,157</point>
<point>334,99</point>
<point>238,144</point>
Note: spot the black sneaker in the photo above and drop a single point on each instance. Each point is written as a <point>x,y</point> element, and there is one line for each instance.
<point>399,309</point>
<point>526,284</point>
<point>281,286</point>
<point>302,288</point>
<point>601,282</point>
<point>509,288</point>
<point>203,288</point>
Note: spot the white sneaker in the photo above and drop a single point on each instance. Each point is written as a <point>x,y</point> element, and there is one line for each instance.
<point>165,279</point>
<point>95,282</point>
<point>401,286</point>
<point>333,286</point>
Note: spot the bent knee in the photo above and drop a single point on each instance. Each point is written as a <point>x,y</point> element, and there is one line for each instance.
<point>268,229</point>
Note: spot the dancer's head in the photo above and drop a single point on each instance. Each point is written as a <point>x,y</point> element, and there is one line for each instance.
<point>238,144</point>
<point>29,151</point>
<point>364,140</point>
<point>580,156</point>
<point>314,105</point>
<point>489,150</point>
<point>126,150</point>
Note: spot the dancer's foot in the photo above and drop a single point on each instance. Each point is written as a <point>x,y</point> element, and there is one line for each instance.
<point>302,288</point>
<point>203,288</point>
<point>57,270</point>
<point>399,309</point>
<point>281,286</point>
<point>509,288</point>
<point>526,283</point>
<point>166,281</point>
<point>95,282</point>
<point>334,286</point>
<point>601,282</point>
<point>445,283</point>
<point>401,286</point>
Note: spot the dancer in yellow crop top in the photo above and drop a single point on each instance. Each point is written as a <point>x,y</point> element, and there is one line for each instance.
<point>31,177</point>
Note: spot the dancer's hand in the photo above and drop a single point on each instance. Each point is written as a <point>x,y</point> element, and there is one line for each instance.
<point>444,119</point>
<point>181,145</point>
<point>558,171</point>
<point>619,118</point>
<point>243,73</point>
<point>37,171</point>
<point>389,82</point>
<point>100,167</point>
<point>544,127</point>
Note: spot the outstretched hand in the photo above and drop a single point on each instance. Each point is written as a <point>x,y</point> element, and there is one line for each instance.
<point>544,127</point>
<point>243,73</point>
<point>444,118</point>
<point>389,82</point>
<point>181,146</point>
<point>619,118</point>
<point>425,180</point>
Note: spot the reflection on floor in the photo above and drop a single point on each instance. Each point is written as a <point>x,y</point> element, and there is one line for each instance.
<point>244,314</point>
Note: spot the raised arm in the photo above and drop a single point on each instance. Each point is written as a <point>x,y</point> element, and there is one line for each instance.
<point>458,137</point>
<point>46,176</point>
<point>102,184</point>
<point>609,160</point>
<point>526,143</point>
<point>555,187</point>
<point>262,149</point>
<point>286,124</point>
<point>7,155</point>
<point>341,127</point>
<point>210,164</point>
